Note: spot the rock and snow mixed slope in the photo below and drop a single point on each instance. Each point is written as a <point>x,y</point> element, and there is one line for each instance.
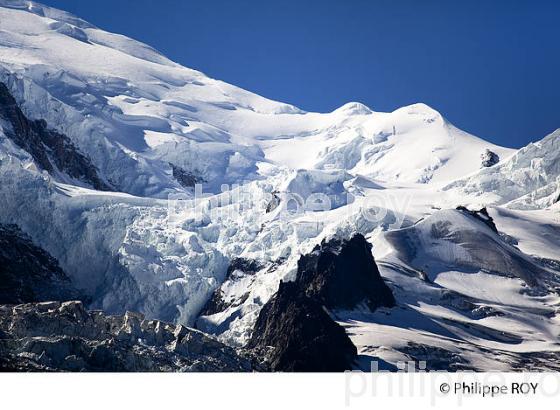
<point>53,336</point>
<point>149,129</point>
<point>530,179</point>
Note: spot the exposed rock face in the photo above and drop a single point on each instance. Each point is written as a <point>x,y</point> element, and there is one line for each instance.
<point>342,274</point>
<point>239,269</point>
<point>185,178</point>
<point>489,158</point>
<point>296,334</point>
<point>27,272</point>
<point>54,336</point>
<point>294,330</point>
<point>50,150</point>
<point>273,203</point>
<point>482,215</point>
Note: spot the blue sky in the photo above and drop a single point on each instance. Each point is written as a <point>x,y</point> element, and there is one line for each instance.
<point>491,67</point>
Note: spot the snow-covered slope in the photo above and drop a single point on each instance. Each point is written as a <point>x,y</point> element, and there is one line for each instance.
<point>412,144</point>
<point>275,181</point>
<point>464,291</point>
<point>133,111</point>
<point>530,179</point>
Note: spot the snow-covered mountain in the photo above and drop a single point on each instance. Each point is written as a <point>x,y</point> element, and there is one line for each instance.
<point>133,112</point>
<point>530,179</point>
<point>160,190</point>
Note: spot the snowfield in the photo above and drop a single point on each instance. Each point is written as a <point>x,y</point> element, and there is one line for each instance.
<point>202,172</point>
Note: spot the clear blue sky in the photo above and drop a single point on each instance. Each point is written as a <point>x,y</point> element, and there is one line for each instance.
<point>491,67</point>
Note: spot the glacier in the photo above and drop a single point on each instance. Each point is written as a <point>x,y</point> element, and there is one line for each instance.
<point>162,246</point>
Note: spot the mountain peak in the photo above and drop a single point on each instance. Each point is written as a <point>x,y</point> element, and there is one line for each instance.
<point>420,109</point>
<point>354,108</point>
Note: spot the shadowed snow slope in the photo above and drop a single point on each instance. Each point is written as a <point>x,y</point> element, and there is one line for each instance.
<point>453,239</point>
<point>147,128</point>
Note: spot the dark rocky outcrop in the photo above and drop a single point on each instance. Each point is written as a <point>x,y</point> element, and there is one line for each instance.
<point>274,202</point>
<point>296,334</point>
<point>27,272</point>
<point>341,274</point>
<point>50,150</point>
<point>54,336</point>
<point>237,269</point>
<point>248,266</point>
<point>185,178</point>
<point>481,215</point>
<point>489,158</point>
<point>294,330</point>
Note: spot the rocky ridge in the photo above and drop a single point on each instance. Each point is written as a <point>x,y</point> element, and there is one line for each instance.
<point>51,151</point>
<point>295,330</point>
<point>27,272</point>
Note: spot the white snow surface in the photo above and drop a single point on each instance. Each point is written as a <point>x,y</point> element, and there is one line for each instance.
<point>133,111</point>
<point>152,246</point>
<point>530,179</point>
